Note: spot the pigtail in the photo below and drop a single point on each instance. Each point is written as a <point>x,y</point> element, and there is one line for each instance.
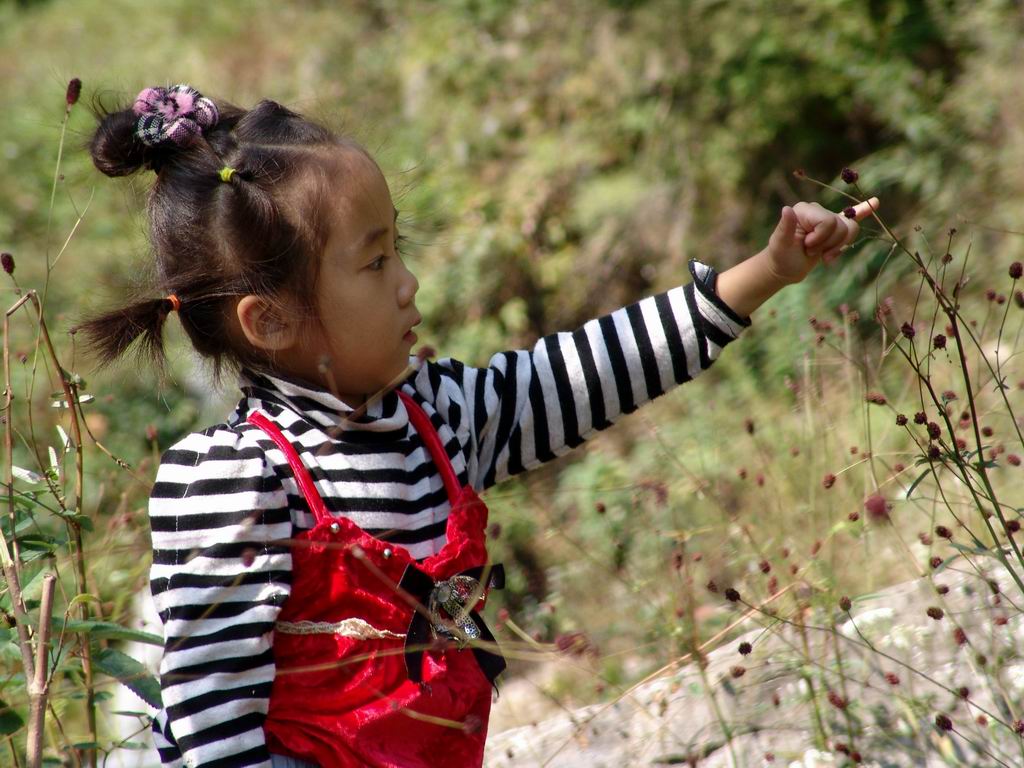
<point>111,334</point>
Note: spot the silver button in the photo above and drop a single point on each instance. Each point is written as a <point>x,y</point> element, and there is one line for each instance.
<point>335,527</point>
<point>387,552</point>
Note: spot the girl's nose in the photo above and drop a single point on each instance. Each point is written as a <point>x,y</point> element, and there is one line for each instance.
<point>407,287</point>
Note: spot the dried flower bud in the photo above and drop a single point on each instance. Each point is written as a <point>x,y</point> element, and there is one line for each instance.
<point>1018,727</point>
<point>853,517</point>
<point>901,420</point>
<point>920,417</point>
<point>934,430</point>
<point>908,330</point>
<point>959,636</point>
<point>877,507</point>
<point>1013,458</point>
<point>943,532</point>
<point>898,467</point>
<point>7,260</point>
<point>934,453</point>
<point>1016,269</point>
<point>732,595</point>
<point>1012,527</point>
<point>845,603</point>
<point>935,561</point>
<point>745,648</point>
<point>737,671</point>
<point>963,692</point>
<point>829,480</point>
<point>711,586</point>
<point>748,424</point>
<point>892,678</point>
<point>877,398</point>
<point>74,91</point>
<point>1000,621</point>
<point>943,723</point>
<point>934,612</point>
<point>850,212</point>
<point>765,566</point>
<point>151,433</point>
<point>849,175</point>
<point>942,589</point>
<point>1018,299</point>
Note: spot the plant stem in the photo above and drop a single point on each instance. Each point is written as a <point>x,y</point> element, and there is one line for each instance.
<point>39,687</point>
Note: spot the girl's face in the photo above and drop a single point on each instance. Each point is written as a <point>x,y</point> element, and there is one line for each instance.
<point>365,295</point>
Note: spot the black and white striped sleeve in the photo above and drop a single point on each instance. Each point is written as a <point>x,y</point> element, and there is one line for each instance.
<point>528,407</point>
<point>218,581</point>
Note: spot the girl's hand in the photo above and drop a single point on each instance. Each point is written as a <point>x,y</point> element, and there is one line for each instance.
<point>806,233</point>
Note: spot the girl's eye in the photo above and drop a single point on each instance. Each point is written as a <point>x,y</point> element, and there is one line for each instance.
<point>378,264</point>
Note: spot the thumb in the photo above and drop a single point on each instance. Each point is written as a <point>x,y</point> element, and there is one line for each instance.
<point>786,228</point>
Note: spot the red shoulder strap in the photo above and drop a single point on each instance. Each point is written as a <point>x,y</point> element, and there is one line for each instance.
<point>426,430</point>
<point>302,476</point>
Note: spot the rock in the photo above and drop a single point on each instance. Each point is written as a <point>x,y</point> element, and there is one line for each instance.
<point>670,720</point>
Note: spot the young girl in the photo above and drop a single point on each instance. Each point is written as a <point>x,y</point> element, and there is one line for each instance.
<point>319,557</point>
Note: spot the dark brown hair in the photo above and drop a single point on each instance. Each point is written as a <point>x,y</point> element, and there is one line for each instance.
<point>261,232</point>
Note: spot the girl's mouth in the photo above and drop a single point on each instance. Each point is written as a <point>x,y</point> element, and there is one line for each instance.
<point>410,336</point>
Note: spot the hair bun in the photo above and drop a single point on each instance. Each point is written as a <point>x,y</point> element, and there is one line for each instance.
<point>160,122</point>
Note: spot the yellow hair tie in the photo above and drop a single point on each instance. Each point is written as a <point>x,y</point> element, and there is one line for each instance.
<point>226,173</point>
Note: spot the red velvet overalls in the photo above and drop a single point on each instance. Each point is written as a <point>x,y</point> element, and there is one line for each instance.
<point>344,693</point>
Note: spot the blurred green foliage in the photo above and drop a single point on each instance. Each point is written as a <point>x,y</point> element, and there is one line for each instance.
<point>551,161</point>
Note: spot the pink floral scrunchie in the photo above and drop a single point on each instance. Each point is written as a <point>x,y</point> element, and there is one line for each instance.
<point>177,114</point>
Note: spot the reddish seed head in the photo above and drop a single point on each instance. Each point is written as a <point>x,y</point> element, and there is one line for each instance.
<point>829,480</point>
<point>1012,526</point>
<point>1018,727</point>
<point>961,444</point>
<point>850,212</point>
<point>7,261</point>
<point>990,294</point>
<point>503,615</point>
<point>947,257</point>
<point>737,671</point>
<point>934,612</point>
<point>711,586</point>
<point>898,467</point>
<point>943,532</point>
<point>877,398</point>
<point>920,417</point>
<point>745,648</point>
<point>1016,269</point>
<point>849,175</point>
<point>742,472</point>
<point>151,433</point>
<point>1000,621</point>
<point>794,451</point>
<point>845,603</point>
<point>934,452</point>
<point>494,530</point>
<point>74,91</point>
<point>776,699</point>
<point>892,678</point>
<point>943,723</point>
<point>877,507</point>
<point>769,757</point>
<point>732,595</point>
<point>765,566</point>
<point>986,431</point>
<point>1013,458</point>
<point>748,424</point>
<point>939,341</point>
<point>794,569</point>
<point>948,395</point>
<point>934,430</point>
<point>836,700</point>
<point>815,548</point>
<point>841,748</point>
<point>1018,299</point>
<point>853,517</point>
<point>907,330</point>
<point>773,585</point>
<point>856,756</point>
<point>959,636</point>
<point>981,720</point>
<point>935,561</point>
<point>963,692</point>
<point>600,508</point>
<point>942,589</point>
<point>759,479</point>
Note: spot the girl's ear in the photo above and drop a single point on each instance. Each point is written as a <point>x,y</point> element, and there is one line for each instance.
<point>263,326</point>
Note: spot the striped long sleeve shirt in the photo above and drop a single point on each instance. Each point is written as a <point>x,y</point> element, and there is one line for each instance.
<point>225,495</point>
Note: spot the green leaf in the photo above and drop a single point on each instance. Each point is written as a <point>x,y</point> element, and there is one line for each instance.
<point>131,673</point>
<point>914,484</point>
<point>10,720</point>
<point>108,630</point>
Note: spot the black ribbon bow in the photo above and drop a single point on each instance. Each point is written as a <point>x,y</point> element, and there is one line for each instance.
<point>457,596</point>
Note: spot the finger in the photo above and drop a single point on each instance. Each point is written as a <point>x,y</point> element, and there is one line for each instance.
<point>831,254</point>
<point>823,230</point>
<point>865,209</point>
<point>838,237</point>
